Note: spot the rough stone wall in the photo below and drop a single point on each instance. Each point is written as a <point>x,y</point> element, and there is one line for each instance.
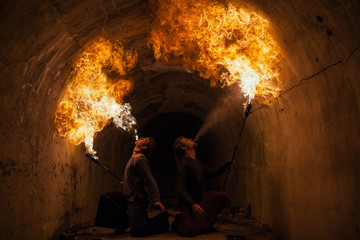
<point>301,155</point>
<point>298,160</point>
<point>47,184</point>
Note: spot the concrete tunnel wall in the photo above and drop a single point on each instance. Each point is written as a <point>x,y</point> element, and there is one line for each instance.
<point>298,160</point>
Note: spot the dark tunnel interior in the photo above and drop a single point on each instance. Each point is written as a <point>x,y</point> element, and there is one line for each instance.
<point>297,164</point>
<point>165,128</point>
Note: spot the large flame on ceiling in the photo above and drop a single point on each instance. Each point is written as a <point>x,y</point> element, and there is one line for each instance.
<point>94,94</point>
<point>225,44</point>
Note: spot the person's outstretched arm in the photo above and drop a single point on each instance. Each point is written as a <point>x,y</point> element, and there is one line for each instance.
<point>208,172</point>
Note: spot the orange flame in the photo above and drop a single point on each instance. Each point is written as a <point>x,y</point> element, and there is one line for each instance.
<point>94,95</point>
<point>227,45</point>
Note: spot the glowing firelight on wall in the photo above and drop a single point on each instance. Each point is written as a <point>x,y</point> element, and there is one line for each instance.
<point>94,94</point>
<point>225,44</point>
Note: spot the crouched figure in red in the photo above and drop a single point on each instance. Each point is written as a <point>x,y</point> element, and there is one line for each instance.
<point>199,209</point>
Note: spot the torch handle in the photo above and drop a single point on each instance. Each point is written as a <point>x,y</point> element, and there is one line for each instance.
<point>92,158</point>
<point>247,112</point>
<point>238,139</point>
<point>98,163</point>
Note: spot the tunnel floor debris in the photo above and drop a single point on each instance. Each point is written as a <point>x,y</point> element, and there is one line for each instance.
<point>232,221</point>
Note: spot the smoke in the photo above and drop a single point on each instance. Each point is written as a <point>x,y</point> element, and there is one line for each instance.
<point>224,109</point>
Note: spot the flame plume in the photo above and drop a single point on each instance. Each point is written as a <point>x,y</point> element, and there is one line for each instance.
<point>94,97</point>
<point>225,44</point>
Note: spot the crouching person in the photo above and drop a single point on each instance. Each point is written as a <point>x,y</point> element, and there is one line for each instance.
<point>122,210</point>
<point>198,209</point>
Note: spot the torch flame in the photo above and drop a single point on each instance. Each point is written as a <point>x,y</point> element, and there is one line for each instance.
<point>94,95</point>
<point>225,44</point>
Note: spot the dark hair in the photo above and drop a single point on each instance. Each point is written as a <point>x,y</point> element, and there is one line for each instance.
<point>177,147</point>
<point>151,147</point>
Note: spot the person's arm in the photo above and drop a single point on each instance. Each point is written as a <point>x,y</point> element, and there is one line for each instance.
<point>208,172</point>
<point>144,168</point>
<point>161,206</point>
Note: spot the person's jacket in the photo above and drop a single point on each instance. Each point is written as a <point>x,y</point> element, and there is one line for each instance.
<point>191,176</point>
<point>139,181</point>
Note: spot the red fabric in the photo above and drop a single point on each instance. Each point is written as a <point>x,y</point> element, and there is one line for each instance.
<point>189,223</point>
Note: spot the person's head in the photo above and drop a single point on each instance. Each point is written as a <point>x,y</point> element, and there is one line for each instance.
<point>182,145</point>
<point>147,146</point>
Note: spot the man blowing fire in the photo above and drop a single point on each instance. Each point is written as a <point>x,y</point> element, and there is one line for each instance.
<point>140,189</point>
<point>199,209</point>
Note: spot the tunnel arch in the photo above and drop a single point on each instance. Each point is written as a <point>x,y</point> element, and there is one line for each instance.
<point>298,165</point>
<point>179,94</point>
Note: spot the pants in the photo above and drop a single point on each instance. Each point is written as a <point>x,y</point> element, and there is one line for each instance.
<point>112,211</point>
<point>190,224</point>
<point>141,225</point>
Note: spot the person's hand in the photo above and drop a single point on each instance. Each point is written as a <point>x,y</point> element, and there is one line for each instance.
<point>196,208</point>
<point>161,206</point>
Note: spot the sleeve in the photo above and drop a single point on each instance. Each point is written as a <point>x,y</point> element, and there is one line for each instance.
<point>208,172</point>
<point>144,168</point>
<point>181,189</point>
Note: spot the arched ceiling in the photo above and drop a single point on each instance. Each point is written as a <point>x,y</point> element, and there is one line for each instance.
<point>298,164</point>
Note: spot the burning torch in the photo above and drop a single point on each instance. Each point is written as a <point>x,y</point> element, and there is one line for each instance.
<point>247,112</point>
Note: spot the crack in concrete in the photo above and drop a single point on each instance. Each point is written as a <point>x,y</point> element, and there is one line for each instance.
<point>314,75</point>
<point>321,71</point>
